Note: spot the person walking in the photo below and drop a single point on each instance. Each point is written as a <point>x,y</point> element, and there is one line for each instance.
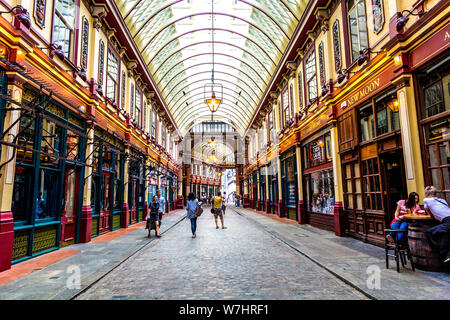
<point>224,203</point>
<point>191,206</point>
<point>162,203</point>
<point>438,235</point>
<point>153,218</point>
<point>217,210</point>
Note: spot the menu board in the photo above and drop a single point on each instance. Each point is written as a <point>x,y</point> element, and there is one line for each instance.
<point>292,199</point>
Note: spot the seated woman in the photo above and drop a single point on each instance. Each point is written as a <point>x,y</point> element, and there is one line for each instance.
<point>411,204</point>
<point>153,218</point>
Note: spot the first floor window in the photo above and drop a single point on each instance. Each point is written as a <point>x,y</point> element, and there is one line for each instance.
<point>63,25</point>
<point>358,27</point>
<point>311,76</point>
<point>112,76</point>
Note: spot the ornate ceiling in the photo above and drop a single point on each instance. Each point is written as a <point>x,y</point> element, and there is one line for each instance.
<point>174,37</point>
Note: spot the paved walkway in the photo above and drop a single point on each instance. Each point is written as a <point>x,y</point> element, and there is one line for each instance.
<point>257,257</point>
<point>47,277</point>
<point>353,261</point>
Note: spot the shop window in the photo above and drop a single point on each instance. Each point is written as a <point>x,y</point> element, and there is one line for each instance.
<point>437,140</point>
<point>22,190</point>
<point>163,135</point>
<point>280,115</point>
<point>320,192</point>
<point>70,193</point>
<point>367,123</point>
<point>271,133</point>
<point>73,146</point>
<point>48,194</point>
<point>64,21</point>
<point>387,115</point>
<point>51,143</point>
<point>112,76</point>
<point>358,27</point>
<point>321,64</point>
<point>311,76</point>
<point>318,151</point>
<point>372,184</point>
<point>26,139</point>
<point>434,99</point>
<point>352,186</point>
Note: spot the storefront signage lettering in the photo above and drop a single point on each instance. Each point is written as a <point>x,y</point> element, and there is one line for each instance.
<point>316,152</point>
<point>364,92</point>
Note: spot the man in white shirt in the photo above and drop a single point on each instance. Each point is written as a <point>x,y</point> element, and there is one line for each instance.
<point>161,202</point>
<point>438,235</point>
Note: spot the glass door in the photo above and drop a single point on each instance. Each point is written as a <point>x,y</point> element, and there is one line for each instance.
<point>69,218</point>
<point>105,210</point>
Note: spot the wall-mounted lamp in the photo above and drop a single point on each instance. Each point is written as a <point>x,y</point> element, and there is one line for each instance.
<point>402,20</point>
<point>55,49</point>
<point>393,105</point>
<point>21,14</point>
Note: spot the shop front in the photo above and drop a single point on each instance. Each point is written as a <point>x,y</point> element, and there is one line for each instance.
<point>136,187</point>
<point>373,170</point>
<point>289,184</point>
<point>273,187</point>
<point>318,181</point>
<point>433,81</point>
<point>254,200</point>
<point>107,182</point>
<point>50,156</point>
<point>262,187</point>
<point>163,187</point>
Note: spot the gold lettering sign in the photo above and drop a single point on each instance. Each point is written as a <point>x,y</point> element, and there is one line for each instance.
<point>364,92</point>
<point>447,36</point>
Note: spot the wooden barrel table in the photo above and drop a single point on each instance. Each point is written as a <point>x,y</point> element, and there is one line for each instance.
<point>423,255</point>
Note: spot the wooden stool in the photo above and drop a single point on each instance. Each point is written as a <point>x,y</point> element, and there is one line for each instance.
<point>400,248</point>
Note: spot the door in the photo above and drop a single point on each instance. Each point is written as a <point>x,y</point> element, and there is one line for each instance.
<point>105,210</point>
<point>69,218</point>
<point>134,202</point>
<point>395,184</point>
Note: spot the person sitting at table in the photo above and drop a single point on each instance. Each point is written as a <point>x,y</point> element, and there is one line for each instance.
<point>411,204</point>
<point>438,235</point>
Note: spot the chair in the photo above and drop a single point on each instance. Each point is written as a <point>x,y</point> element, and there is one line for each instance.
<point>400,248</point>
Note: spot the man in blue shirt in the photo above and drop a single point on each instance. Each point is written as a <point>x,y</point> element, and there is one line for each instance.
<point>162,202</point>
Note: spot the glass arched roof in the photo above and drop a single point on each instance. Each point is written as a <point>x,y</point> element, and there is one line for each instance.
<point>174,38</point>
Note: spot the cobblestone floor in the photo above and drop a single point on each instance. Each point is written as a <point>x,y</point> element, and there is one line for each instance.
<point>241,262</point>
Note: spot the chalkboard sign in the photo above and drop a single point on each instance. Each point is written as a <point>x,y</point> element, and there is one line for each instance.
<point>292,199</point>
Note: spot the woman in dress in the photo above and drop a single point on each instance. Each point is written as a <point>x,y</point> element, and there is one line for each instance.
<point>153,219</point>
<point>411,204</point>
<point>191,207</point>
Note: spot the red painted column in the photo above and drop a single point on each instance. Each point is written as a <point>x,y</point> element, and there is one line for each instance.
<point>125,215</point>
<point>339,219</point>
<point>280,208</point>
<point>86,224</point>
<point>267,206</point>
<point>301,212</point>
<point>145,210</point>
<point>6,239</point>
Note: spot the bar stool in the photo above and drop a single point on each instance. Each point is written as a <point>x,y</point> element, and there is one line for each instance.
<point>400,248</point>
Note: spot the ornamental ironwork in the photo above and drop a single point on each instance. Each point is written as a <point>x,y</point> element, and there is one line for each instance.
<point>337,46</point>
